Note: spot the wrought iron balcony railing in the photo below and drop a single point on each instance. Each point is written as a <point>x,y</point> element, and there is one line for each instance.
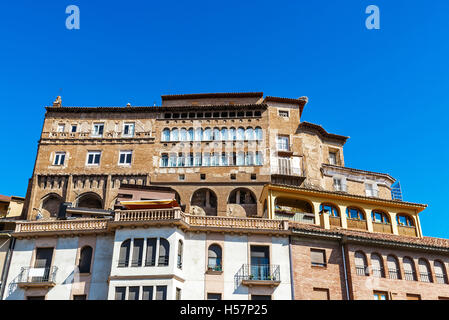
<point>31,275</point>
<point>259,273</point>
<point>361,270</point>
<point>394,274</point>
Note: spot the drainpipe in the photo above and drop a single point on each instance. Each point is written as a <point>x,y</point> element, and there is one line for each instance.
<point>292,284</point>
<point>342,245</point>
<point>6,266</point>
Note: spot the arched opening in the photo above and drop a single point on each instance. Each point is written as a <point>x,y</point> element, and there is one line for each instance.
<point>406,225</point>
<point>293,209</point>
<point>204,202</point>
<point>50,205</point>
<point>393,268</point>
<point>361,265</point>
<point>85,259</point>
<point>377,265</point>
<point>440,272</point>
<point>164,252</point>
<point>125,248</point>
<point>242,203</point>
<point>355,218</point>
<point>214,258</point>
<point>90,200</point>
<point>409,269</point>
<point>424,270</point>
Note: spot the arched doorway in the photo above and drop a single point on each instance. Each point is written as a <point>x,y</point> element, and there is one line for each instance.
<point>90,200</point>
<point>50,205</point>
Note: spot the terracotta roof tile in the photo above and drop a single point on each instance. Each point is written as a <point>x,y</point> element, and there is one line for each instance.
<point>5,198</point>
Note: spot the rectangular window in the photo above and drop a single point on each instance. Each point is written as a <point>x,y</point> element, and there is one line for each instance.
<point>182,177</point>
<point>74,127</point>
<point>151,252</point>
<point>233,176</point>
<point>98,130</point>
<point>93,158</point>
<point>178,294</point>
<point>79,297</point>
<point>128,130</point>
<point>161,293</point>
<point>380,295</point>
<point>120,293</point>
<point>61,127</point>
<point>133,293</point>
<point>214,296</point>
<point>318,257</point>
<point>370,190</point>
<point>253,176</point>
<point>59,159</point>
<point>333,158</point>
<point>137,253</point>
<point>283,143</point>
<point>320,294</point>
<point>283,113</point>
<point>203,176</point>
<point>147,293</point>
<point>339,184</point>
<point>125,157</point>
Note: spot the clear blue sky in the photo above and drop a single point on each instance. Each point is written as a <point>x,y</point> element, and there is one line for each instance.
<point>387,89</point>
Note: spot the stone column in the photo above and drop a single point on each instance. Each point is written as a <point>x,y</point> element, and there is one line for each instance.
<point>344,222</point>
<point>369,220</point>
<point>394,224</point>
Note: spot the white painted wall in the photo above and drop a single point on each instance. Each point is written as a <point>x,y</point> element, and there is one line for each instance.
<point>101,268</point>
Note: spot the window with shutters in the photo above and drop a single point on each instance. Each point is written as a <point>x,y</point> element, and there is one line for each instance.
<point>137,253</point>
<point>424,270</point>
<point>164,252</point>
<point>85,259</point>
<point>320,294</point>
<point>150,259</point>
<point>371,189</point>
<point>161,293</point>
<point>332,157</point>
<point>440,272</point>
<point>361,264</point>
<point>124,253</point>
<point>409,269</point>
<point>318,257</point>
<point>147,293</point>
<point>377,265</point>
<point>339,184</point>
<point>393,268</point>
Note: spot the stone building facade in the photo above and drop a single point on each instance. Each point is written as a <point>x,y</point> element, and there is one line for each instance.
<point>267,209</point>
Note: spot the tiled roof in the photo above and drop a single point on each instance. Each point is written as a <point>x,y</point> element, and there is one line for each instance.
<point>320,130</point>
<point>386,175</point>
<point>5,198</point>
<point>212,95</point>
<point>372,236</point>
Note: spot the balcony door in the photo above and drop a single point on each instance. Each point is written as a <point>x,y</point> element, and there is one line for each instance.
<point>42,265</point>
<point>260,262</point>
<point>284,166</point>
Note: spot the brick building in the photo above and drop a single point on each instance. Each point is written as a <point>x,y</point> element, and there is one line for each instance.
<point>265,209</point>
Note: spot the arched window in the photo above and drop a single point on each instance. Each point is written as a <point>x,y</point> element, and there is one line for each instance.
<point>215,159</point>
<point>224,134</point>
<point>183,134</point>
<point>174,134</point>
<point>172,160</point>
<point>259,158</point>
<point>85,259</point>
<point>164,252</point>
<point>190,134</point>
<point>207,134</point>
<point>409,269</point>
<point>249,134</point>
<point>232,134</point>
<point>217,134</point>
<point>393,268</point>
<point>440,272</point>
<point>361,266</point>
<point>198,134</point>
<point>424,270</point>
<point>164,160</point>
<point>355,213</point>
<point>242,196</point>
<point>166,134</point>
<point>259,133</point>
<point>206,159</point>
<point>214,258</point>
<point>180,250</point>
<point>332,210</point>
<point>197,160</point>
<point>404,220</point>
<point>380,217</point>
<point>240,133</point>
<point>123,259</point>
<point>377,265</point>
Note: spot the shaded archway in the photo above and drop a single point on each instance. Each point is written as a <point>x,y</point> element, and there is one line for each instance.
<point>50,205</point>
<point>90,200</point>
<point>204,202</point>
<point>242,203</point>
<point>294,209</point>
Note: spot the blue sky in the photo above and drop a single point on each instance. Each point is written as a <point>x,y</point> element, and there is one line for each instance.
<point>387,89</point>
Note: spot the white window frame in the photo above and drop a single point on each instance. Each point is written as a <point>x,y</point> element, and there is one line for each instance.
<point>57,159</point>
<point>61,127</point>
<point>280,111</point>
<point>280,142</point>
<point>93,153</point>
<point>342,185</point>
<point>373,189</point>
<point>94,132</point>
<point>333,161</point>
<point>125,152</point>
<point>130,134</point>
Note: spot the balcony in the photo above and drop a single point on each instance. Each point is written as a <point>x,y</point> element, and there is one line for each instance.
<point>30,277</point>
<point>407,231</point>
<point>259,275</point>
<point>356,224</point>
<point>382,227</point>
<point>287,175</point>
<point>55,226</point>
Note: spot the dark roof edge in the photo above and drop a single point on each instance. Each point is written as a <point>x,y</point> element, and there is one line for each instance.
<point>322,132</point>
<point>386,175</point>
<point>212,95</point>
